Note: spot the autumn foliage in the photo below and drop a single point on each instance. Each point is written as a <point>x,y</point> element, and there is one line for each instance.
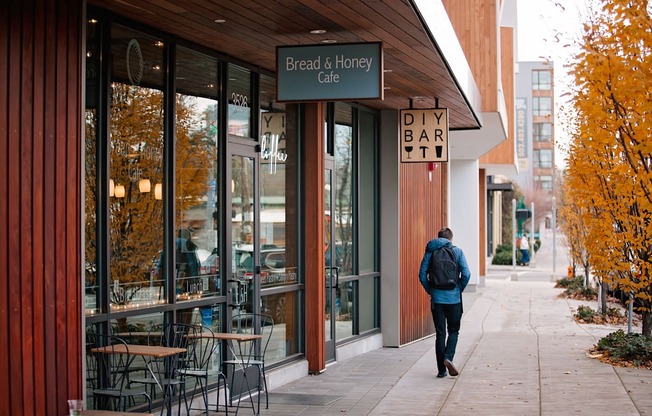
<point>609,178</point>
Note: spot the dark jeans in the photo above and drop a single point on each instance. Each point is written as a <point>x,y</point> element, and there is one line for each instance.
<point>446,316</point>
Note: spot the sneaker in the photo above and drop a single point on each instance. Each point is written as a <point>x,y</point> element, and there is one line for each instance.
<point>451,368</point>
<point>442,375</point>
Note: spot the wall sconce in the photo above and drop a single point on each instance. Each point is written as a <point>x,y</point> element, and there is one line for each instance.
<point>119,191</point>
<point>111,187</point>
<point>431,167</point>
<point>144,186</point>
<point>158,191</point>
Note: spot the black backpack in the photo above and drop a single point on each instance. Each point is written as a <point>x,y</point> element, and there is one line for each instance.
<point>443,272</point>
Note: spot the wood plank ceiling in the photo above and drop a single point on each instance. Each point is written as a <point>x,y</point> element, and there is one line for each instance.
<point>253,28</point>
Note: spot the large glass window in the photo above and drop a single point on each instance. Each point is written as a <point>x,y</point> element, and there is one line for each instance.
<point>135,167</point>
<point>542,132</point>
<point>92,184</point>
<point>197,215</point>
<point>353,135</point>
<point>542,106</point>
<point>543,158</point>
<point>278,221</point>
<point>542,80</point>
<point>543,182</point>
<point>343,203</point>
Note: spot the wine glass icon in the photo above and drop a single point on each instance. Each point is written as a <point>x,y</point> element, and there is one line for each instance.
<point>409,149</point>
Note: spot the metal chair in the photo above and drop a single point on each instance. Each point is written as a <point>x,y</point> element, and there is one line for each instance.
<point>167,369</point>
<point>247,323</point>
<point>108,360</point>
<point>201,349</point>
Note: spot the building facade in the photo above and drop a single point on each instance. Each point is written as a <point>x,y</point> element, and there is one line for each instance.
<point>535,115</point>
<point>152,176</point>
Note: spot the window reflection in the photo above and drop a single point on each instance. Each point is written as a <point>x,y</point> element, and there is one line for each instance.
<point>343,203</point>
<point>91,185</point>
<point>344,311</point>
<point>196,245</point>
<point>135,167</point>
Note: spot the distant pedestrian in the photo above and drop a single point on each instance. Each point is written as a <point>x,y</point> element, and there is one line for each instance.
<point>524,246</point>
<point>445,304</point>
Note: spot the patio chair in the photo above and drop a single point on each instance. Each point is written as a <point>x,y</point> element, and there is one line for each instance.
<point>202,348</point>
<point>164,372</point>
<point>246,323</point>
<point>108,360</point>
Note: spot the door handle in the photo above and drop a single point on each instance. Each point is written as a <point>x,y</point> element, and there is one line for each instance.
<point>329,284</point>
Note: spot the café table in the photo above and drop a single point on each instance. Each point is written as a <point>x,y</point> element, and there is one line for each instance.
<point>149,352</point>
<point>243,356</point>
<point>90,412</point>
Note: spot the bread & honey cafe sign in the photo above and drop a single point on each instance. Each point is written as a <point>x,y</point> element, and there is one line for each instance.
<point>348,71</point>
<point>424,135</point>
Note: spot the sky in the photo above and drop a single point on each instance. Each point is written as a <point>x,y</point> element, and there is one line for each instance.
<point>545,29</point>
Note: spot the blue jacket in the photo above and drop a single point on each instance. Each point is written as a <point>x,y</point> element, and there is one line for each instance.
<point>444,296</point>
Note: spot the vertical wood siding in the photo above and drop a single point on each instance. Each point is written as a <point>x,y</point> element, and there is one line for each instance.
<point>40,214</point>
<point>423,211</point>
<point>504,152</point>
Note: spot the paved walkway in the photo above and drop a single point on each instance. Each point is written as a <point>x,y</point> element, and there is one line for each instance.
<point>520,352</point>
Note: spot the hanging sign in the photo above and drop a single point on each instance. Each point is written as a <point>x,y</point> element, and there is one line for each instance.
<point>346,71</point>
<point>424,135</point>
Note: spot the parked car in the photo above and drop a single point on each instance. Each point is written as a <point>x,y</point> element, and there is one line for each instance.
<point>212,263</point>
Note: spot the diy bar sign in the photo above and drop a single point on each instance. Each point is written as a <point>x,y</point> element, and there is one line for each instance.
<point>424,135</point>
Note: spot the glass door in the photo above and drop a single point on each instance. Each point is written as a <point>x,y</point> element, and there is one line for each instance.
<point>332,272</point>
<point>244,284</point>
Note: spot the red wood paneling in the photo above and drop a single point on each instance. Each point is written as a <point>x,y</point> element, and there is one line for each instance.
<point>314,231</point>
<point>40,212</point>
<point>423,211</point>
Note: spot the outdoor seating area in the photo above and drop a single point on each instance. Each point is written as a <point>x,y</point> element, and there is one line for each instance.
<point>171,368</point>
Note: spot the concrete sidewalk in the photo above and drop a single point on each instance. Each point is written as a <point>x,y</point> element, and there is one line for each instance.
<point>520,352</point>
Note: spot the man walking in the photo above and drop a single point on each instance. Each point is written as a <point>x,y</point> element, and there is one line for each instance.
<point>446,303</point>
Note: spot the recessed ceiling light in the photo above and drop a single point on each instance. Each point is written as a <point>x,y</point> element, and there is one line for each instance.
<point>220,20</point>
<point>329,41</point>
<point>318,31</point>
<point>388,70</point>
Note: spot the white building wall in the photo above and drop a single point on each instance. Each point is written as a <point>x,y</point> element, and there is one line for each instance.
<point>464,215</point>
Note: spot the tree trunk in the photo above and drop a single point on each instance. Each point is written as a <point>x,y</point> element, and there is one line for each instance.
<point>586,277</point>
<point>647,323</point>
<point>603,298</point>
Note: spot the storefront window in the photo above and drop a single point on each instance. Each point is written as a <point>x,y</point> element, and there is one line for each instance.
<point>278,220</point>
<point>343,203</point>
<point>197,216</point>
<point>135,170</point>
<point>91,184</point>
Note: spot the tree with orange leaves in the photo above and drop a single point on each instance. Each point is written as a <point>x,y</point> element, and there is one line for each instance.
<point>610,158</point>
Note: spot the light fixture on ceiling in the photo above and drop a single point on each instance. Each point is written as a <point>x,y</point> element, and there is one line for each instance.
<point>119,191</point>
<point>219,21</point>
<point>158,191</point>
<point>328,41</point>
<point>159,44</point>
<point>318,31</point>
<point>144,186</point>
